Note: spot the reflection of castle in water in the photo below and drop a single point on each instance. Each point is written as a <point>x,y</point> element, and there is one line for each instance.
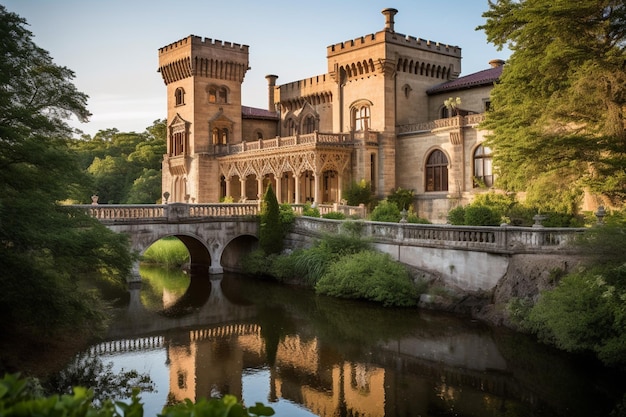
<point>213,361</point>
<point>408,376</point>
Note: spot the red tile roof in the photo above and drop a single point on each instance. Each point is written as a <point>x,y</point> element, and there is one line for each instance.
<point>255,113</point>
<point>477,79</point>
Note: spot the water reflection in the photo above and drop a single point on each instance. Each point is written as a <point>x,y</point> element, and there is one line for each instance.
<point>318,356</point>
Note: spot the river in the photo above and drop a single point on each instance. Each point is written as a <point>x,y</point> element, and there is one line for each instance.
<point>305,355</point>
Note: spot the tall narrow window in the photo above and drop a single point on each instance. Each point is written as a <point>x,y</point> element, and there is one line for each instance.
<point>309,125</point>
<point>222,95</point>
<point>179,96</point>
<point>483,167</point>
<point>212,95</point>
<point>437,172</point>
<point>361,116</point>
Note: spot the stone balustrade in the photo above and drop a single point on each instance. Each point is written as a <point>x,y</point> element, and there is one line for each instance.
<point>503,239</point>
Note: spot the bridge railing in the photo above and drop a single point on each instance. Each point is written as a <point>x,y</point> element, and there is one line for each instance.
<point>112,213</point>
<point>504,239</point>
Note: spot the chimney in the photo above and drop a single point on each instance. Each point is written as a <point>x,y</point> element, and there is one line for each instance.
<point>496,63</point>
<point>271,84</point>
<point>389,14</point>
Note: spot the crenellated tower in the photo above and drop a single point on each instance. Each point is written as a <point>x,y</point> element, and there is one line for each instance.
<point>203,78</point>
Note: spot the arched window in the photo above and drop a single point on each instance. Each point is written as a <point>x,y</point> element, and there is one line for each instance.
<point>179,96</point>
<point>361,118</point>
<point>445,113</point>
<point>483,167</point>
<point>212,95</point>
<point>437,171</point>
<point>309,125</point>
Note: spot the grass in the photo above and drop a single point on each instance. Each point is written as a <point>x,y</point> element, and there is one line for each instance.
<point>169,252</point>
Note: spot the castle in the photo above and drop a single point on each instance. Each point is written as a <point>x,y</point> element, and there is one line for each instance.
<point>381,114</point>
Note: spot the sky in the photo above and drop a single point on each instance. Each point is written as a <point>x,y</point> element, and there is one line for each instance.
<point>112,45</point>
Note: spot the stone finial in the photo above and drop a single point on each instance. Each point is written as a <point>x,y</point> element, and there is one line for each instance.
<point>389,14</point>
<point>496,63</point>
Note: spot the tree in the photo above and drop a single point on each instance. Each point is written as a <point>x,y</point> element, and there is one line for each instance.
<point>44,248</point>
<point>557,119</point>
<point>271,231</point>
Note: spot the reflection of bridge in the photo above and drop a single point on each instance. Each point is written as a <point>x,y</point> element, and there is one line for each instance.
<point>218,235</point>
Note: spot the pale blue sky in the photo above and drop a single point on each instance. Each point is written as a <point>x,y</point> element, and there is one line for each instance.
<point>112,45</point>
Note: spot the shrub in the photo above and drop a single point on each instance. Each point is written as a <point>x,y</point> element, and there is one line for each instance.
<point>456,216</point>
<point>369,275</point>
<point>310,211</point>
<point>335,215</point>
<point>477,215</point>
<point>386,211</point>
<point>358,193</point>
<point>403,198</point>
<point>287,216</point>
<point>412,217</point>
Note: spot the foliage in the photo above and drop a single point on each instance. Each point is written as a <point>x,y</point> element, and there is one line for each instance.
<point>18,398</point>
<point>456,216</point>
<point>45,249</point>
<point>335,215</point>
<point>287,216</point>
<point>478,215</point>
<point>258,263</point>
<point>474,215</point>
<point>557,118</point>
<point>452,104</point>
<point>308,265</point>
<point>271,231</point>
<point>106,384</point>
<point>412,217</point>
<point>309,211</point>
<point>169,252</point>
<point>402,198</point>
<point>587,310</point>
<point>369,275</point>
<point>358,193</point>
<point>123,167</point>
<point>386,211</point>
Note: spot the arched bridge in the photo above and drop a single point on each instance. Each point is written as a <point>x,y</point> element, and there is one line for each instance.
<point>468,257</point>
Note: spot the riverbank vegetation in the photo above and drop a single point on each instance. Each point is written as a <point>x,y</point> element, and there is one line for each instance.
<point>586,311</point>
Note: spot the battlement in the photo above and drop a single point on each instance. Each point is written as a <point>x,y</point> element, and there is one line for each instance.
<point>394,38</point>
<point>200,41</point>
<point>310,82</point>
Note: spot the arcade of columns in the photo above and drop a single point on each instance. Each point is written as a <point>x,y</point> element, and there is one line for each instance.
<point>297,175</point>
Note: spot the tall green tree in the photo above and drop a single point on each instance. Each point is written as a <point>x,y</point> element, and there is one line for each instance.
<point>271,232</point>
<point>44,248</point>
<point>558,111</point>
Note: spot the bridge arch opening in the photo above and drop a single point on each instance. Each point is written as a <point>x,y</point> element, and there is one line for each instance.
<point>235,250</point>
<point>172,247</point>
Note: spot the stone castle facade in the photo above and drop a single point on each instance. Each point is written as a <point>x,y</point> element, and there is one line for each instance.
<point>378,115</point>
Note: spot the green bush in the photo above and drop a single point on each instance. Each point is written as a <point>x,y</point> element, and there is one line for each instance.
<point>403,198</point>
<point>456,216</point>
<point>310,211</point>
<point>358,193</point>
<point>335,215</point>
<point>476,215</point>
<point>412,217</point>
<point>369,275</point>
<point>287,216</point>
<point>386,211</point>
